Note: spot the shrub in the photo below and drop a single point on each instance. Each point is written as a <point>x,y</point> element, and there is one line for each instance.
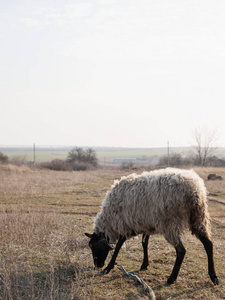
<point>126,165</point>
<point>81,159</point>
<point>56,165</point>
<point>18,160</point>
<point>82,166</point>
<point>3,158</point>
<point>175,160</point>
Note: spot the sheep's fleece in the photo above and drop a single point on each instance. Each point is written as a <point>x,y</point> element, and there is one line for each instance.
<point>163,201</point>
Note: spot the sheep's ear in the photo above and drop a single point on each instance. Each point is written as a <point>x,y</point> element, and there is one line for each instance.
<point>89,235</point>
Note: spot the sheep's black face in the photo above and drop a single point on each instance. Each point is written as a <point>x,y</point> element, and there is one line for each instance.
<point>99,247</point>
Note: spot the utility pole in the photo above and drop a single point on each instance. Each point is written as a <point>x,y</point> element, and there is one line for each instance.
<point>168,154</point>
<point>34,155</point>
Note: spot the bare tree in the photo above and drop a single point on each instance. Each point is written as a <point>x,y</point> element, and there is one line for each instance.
<point>81,159</point>
<point>204,145</point>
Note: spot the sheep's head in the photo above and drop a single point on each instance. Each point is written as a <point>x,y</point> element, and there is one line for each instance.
<point>99,247</point>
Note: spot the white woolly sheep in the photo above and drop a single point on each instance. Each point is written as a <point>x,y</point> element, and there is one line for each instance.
<point>167,202</point>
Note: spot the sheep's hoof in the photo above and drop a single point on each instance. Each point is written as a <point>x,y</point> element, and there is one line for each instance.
<point>170,280</point>
<point>143,268</point>
<point>105,271</point>
<point>215,280</point>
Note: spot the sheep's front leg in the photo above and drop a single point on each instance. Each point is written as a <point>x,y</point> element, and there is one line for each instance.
<point>145,263</point>
<point>180,250</point>
<point>111,264</point>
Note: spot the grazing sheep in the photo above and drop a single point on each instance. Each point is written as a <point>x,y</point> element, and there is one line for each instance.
<point>167,202</point>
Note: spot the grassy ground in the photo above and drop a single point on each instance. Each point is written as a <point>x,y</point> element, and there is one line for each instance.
<point>44,253</point>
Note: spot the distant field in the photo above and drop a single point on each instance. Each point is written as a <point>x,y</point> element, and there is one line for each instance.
<point>105,155</point>
<point>41,155</point>
<point>45,254</point>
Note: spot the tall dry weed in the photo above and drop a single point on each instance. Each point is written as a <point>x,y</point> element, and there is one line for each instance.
<point>40,254</point>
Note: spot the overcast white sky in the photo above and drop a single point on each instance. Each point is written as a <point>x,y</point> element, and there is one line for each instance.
<point>111,72</point>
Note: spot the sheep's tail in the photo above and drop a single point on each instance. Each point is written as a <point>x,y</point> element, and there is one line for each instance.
<point>199,217</point>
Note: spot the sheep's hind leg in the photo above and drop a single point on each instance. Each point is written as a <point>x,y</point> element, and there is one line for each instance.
<point>145,263</point>
<point>208,245</point>
<point>111,264</point>
<point>180,250</point>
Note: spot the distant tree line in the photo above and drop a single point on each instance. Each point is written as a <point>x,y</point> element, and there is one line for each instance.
<point>78,159</point>
<point>203,153</point>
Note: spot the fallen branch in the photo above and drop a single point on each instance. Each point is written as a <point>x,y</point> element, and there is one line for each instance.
<point>146,287</point>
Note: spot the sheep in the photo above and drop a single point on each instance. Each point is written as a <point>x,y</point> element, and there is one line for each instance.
<point>166,202</point>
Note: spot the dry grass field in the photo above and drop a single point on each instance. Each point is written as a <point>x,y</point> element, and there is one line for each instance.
<point>44,253</point>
